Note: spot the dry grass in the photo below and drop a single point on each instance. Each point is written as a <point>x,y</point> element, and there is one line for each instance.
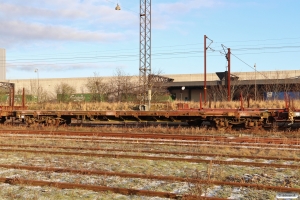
<point>156,106</point>
<point>98,106</point>
<point>180,169</point>
<point>161,167</point>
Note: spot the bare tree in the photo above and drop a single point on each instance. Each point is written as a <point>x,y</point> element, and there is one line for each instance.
<point>219,92</point>
<point>33,88</point>
<point>63,91</point>
<point>158,85</point>
<point>276,86</point>
<point>122,86</point>
<point>97,88</point>
<point>45,96</point>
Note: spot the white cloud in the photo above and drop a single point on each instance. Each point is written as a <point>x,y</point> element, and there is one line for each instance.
<point>52,67</point>
<point>62,20</point>
<point>82,20</point>
<point>18,31</point>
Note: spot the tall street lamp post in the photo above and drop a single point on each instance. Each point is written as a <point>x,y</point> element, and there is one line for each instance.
<point>181,93</point>
<point>38,83</point>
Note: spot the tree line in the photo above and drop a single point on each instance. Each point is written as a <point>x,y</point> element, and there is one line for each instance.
<point>278,83</point>
<point>121,87</point>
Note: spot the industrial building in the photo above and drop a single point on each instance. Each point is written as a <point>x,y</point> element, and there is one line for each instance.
<point>2,65</point>
<point>183,86</point>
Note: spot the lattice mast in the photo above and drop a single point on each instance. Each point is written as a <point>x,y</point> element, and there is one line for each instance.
<point>145,49</point>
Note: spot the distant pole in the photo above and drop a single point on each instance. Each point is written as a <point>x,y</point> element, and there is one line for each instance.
<point>38,83</point>
<point>205,69</point>
<point>145,49</point>
<point>182,88</point>
<point>149,99</point>
<point>23,98</point>
<point>228,75</point>
<point>12,95</point>
<point>255,83</point>
<point>205,49</point>
<point>200,101</point>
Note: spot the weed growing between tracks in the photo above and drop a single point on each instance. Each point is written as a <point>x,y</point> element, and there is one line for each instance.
<point>17,192</point>
<point>258,175</point>
<point>168,130</point>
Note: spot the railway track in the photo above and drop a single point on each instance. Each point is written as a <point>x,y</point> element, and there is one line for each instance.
<point>82,139</point>
<point>142,176</point>
<point>154,152</point>
<point>223,139</point>
<point>153,141</point>
<point>124,191</point>
<point>192,160</point>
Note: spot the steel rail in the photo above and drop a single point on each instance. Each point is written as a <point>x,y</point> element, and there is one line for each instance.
<point>192,160</point>
<point>155,140</point>
<point>162,136</point>
<point>172,143</point>
<point>142,176</point>
<point>156,152</point>
<point>97,188</point>
<point>196,145</point>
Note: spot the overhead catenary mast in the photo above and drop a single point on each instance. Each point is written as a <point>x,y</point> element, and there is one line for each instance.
<point>145,51</point>
<point>205,49</point>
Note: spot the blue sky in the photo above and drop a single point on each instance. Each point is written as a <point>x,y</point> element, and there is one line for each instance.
<point>77,38</point>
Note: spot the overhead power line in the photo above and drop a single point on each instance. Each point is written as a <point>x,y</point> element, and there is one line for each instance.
<point>185,51</point>
<point>262,40</point>
<point>128,59</point>
<point>182,45</point>
<point>249,65</point>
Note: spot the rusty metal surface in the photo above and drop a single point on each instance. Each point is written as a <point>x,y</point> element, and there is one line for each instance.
<point>267,142</point>
<point>222,139</point>
<point>193,160</point>
<point>191,112</point>
<point>191,144</point>
<point>142,176</point>
<point>97,188</point>
<point>155,152</point>
<point>219,118</point>
<point>198,144</point>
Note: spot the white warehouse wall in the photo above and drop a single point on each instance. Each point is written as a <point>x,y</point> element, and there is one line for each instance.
<point>2,65</point>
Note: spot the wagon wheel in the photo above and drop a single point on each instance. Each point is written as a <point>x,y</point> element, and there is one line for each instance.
<point>30,122</point>
<point>274,127</point>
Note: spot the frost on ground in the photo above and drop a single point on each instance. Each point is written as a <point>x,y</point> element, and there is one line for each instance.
<point>202,171</point>
<point>16,192</point>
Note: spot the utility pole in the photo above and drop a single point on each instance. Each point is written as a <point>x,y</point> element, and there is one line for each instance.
<point>204,69</point>
<point>205,49</point>
<point>255,83</point>
<point>227,56</point>
<point>145,51</point>
<point>228,75</point>
<point>38,84</point>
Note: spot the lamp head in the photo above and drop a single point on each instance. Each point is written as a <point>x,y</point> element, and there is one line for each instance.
<point>118,7</point>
